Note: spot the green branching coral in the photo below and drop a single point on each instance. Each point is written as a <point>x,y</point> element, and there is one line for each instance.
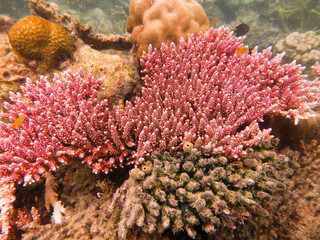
<point>194,193</point>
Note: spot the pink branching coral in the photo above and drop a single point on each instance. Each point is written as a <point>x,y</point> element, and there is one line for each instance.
<point>61,123</point>
<point>316,69</point>
<point>200,91</point>
<point>6,211</point>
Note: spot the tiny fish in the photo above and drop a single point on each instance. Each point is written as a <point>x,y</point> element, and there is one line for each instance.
<point>241,29</point>
<point>242,50</point>
<point>18,121</point>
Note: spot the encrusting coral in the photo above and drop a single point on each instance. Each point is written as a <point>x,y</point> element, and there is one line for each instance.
<point>162,21</point>
<point>190,192</point>
<point>35,38</point>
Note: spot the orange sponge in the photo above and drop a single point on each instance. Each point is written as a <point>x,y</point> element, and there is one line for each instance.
<point>35,38</point>
<point>162,21</point>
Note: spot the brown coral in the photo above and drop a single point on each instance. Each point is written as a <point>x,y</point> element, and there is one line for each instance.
<point>162,21</point>
<point>34,38</point>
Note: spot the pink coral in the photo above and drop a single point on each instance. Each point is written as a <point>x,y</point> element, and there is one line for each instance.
<point>61,124</point>
<point>316,69</point>
<point>201,91</point>
<point>6,211</point>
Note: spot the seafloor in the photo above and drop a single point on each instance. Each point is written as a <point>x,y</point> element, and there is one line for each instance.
<point>286,26</point>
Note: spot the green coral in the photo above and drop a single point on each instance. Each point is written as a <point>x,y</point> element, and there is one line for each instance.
<point>191,192</point>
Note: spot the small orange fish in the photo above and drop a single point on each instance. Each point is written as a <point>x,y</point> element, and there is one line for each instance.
<point>147,168</point>
<point>18,121</point>
<point>242,50</point>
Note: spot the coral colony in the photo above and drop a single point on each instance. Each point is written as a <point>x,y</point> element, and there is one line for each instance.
<point>192,192</point>
<point>61,123</point>
<point>200,91</point>
<point>35,38</point>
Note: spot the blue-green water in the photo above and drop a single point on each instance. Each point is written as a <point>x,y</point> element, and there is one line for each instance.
<point>276,16</point>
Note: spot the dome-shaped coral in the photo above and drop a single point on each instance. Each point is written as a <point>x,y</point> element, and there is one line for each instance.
<point>162,21</point>
<point>35,38</point>
<point>191,192</point>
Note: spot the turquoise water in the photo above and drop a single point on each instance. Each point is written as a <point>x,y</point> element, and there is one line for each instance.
<point>277,16</point>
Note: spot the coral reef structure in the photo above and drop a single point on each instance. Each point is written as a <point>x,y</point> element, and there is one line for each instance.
<point>161,21</point>
<point>35,38</point>
<point>236,92</point>
<point>13,220</point>
<point>302,198</point>
<point>200,93</point>
<point>191,192</point>
<point>302,47</point>
<point>5,25</point>
<point>6,211</point>
<point>296,216</point>
<point>316,69</point>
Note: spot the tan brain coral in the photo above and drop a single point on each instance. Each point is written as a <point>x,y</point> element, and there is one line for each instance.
<point>157,21</point>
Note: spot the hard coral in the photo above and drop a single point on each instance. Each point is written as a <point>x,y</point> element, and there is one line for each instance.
<point>61,123</point>
<point>203,92</point>
<point>188,192</point>
<point>35,38</point>
<point>6,211</point>
<point>200,91</point>
<point>13,220</point>
<point>162,21</point>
